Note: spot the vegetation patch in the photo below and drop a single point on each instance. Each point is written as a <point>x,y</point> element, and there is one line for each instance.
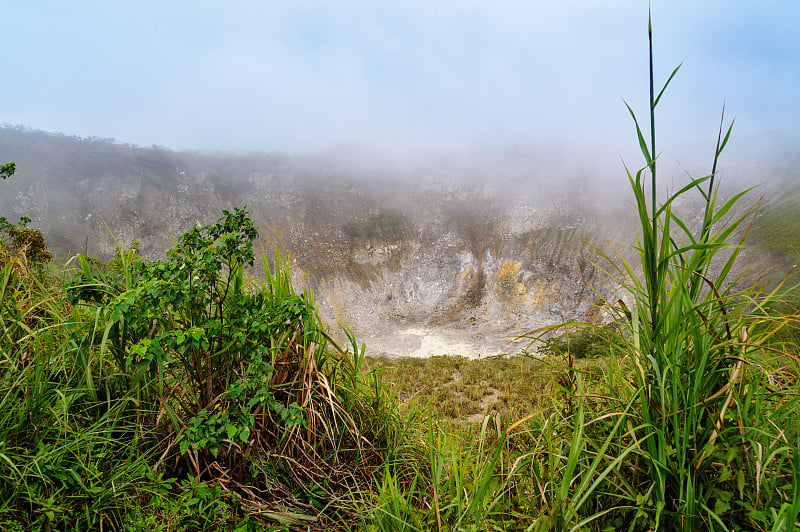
<point>776,230</point>
<point>183,390</point>
<point>387,225</point>
<point>457,387</point>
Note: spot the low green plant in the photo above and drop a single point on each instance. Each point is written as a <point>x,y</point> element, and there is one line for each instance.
<point>247,386</point>
<point>586,341</point>
<point>67,459</point>
<point>22,245</point>
<point>7,170</point>
<point>461,486</point>
<point>192,505</point>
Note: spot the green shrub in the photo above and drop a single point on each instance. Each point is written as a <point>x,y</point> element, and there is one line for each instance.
<point>584,342</point>
<point>387,224</point>
<point>23,243</point>
<point>237,376</point>
<point>19,243</point>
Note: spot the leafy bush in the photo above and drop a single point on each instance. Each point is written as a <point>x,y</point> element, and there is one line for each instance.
<point>7,170</point>
<point>237,376</point>
<point>388,224</point>
<point>19,243</point>
<point>584,342</point>
<point>19,240</point>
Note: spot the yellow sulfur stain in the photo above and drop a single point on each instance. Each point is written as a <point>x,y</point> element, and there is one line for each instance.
<point>507,269</point>
<point>507,284</point>
<point>544,289</point>
<point>510,287</point>
<point>469,270</point>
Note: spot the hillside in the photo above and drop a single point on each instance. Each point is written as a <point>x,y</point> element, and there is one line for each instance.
<point>438,258</point>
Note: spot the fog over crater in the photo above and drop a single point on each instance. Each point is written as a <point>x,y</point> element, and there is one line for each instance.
<point>442,256</point>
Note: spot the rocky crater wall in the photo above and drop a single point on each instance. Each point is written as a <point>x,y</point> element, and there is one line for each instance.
<point>417,261</point>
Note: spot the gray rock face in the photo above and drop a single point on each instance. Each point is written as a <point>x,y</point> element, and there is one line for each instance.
<point>417,262</point>
<point>449,272</point>
<point>454,295</point>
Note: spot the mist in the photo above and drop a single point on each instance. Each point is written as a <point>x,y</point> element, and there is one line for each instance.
<point>404,80</point>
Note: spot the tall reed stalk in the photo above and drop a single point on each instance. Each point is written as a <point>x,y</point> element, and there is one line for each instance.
<point>690,331</point>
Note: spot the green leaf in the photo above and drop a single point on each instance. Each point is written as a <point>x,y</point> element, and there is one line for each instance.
<point>725,140</point>
<point>721,506</point>
<point>231,430</point>
<point>740,483</point>
<point>642,144</point>
<point>666,84</point>
<point>87,270</point>
<point>244,434</point>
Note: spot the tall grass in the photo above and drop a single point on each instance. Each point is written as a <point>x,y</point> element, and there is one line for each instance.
<point>65,455</point>
<point>182,394</point>
<point>701,406</point>
<point>693,424</point>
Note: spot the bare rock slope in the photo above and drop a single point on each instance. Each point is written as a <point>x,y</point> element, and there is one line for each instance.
<point>435,259</point>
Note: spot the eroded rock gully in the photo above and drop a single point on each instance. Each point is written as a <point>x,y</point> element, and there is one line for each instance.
<point>460,275</point>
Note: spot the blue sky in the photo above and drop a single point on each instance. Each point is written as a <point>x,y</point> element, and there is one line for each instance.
<point>407,77</point>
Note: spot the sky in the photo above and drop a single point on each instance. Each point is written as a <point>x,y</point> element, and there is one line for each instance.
<point>404,77</point>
